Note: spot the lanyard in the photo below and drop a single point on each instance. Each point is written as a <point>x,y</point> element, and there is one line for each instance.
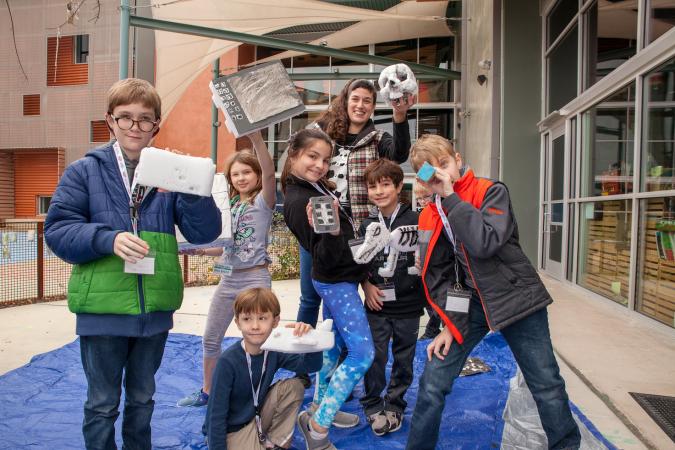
<point>444,219</point>
<point>136,192</point>
<point>325,191</point>
<point>451,236</point>
<point>391,223</point>
<point>239,208</point>
<point>256,392</point>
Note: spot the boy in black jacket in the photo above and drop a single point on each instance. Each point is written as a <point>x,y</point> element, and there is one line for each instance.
<point>477,278</point>
<point>394,303</point>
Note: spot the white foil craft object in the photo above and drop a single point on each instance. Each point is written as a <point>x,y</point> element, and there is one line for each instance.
<point>318,340</point>
<point>176,173</point>
<point>255,98</point>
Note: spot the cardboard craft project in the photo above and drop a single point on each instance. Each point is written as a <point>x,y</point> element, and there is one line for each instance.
<point>222,199</point>
<point>254,98</point>
<point>318,340</point>
<point>397,83</point>
<point>376,238</point>
<point>176,173</point>
<point>402,239</point>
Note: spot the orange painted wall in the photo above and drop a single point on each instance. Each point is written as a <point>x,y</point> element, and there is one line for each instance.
<point>188,126</point>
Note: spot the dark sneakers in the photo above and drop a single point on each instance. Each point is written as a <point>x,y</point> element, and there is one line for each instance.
<point>195,399</point>
<point>379,423</point>
<point>395,420</point>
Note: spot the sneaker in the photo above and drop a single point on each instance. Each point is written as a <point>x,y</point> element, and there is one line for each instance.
<point>395,420</point>
<point>196,399</point>
<point>341,419</point>
<point>312,444</point>
<point>379,423</point>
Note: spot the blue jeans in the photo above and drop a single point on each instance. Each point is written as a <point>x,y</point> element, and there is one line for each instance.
<point>104,359</point>
<point>310,301</point>
<point>530,342</point>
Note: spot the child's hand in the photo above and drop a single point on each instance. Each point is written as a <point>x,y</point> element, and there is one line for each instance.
<point>440,346</point>
<point>373,296</point>
<point>300,328</point>
<point>440,183</point>
<point>129,247</point>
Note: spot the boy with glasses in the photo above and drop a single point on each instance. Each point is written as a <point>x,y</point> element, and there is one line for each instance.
<point>126,281</point>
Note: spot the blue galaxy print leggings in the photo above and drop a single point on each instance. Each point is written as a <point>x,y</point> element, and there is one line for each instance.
<point>342,303</point>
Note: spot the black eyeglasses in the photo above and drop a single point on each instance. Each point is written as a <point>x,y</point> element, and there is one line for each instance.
<point>127,123</point>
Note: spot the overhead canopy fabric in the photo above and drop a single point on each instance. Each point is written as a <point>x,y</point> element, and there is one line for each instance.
<point>180,57</point>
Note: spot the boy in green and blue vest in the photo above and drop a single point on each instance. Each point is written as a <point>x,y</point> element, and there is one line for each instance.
<point>126,281</point>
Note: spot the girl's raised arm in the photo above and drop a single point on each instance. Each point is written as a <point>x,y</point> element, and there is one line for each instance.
<point>269,182</point>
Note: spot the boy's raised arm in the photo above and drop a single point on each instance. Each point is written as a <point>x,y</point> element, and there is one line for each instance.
<point>484,232</point>
<point>68,232</point>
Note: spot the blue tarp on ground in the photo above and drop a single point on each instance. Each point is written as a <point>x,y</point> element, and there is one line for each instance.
<point>41,402</point>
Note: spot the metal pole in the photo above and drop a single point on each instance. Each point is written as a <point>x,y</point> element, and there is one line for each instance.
<point>175,27</point>
<point>338,75</point>
<point>40,260</point>
<point>124,39</point>
<point>214,117</point>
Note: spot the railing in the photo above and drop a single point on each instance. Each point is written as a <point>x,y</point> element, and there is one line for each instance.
<point>31,273</point>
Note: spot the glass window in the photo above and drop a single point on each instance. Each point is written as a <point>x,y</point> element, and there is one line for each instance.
<point>607,146</point>
<point>383,121</point>
<point>436,121</point>
<point>558,168</point>
<point>604,248</point>
<point>43,204</point>
<point>562,71</point>
<point>436,52</point>
<point>611,39</point>
<point>405,50</point>
<point>81,49</point>
<point>346,66</point>
<point>656,270</point>
<point>658,136</point>
<point>560,16</point>
<point>313,92</point>
<point>570,241</point>
<point>660,18</point>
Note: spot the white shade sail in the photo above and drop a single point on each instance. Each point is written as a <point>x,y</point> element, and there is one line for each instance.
<point>181,57</point>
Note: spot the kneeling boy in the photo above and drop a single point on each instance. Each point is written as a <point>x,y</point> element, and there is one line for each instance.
<point>470,229</point>
<point>245,410</point>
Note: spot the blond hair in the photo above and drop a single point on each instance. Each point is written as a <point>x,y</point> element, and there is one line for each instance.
<point>430,146</point>
<point>256,301</point>
<point>134,90</point>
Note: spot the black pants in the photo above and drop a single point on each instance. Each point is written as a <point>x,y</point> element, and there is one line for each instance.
<point>403,332</point>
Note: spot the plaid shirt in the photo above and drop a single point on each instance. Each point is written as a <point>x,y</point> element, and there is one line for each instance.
<point>361,154</point>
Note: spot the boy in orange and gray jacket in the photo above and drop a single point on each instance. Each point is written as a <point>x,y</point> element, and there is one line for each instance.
<point>477,278</point>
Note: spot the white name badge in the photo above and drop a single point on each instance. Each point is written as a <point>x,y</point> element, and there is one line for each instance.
<point>222,269</point>
<point>143,266</point>
<point>388,292</point>
<point>457,300</point>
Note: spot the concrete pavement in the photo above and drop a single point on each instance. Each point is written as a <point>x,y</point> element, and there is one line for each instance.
<point>604,351</point>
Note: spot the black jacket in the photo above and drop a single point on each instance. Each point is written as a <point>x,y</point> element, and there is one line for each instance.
<point>332,260</point>
<point>488,251</point>
<point>409,294</point>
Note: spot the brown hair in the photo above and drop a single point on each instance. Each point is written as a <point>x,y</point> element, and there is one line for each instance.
<point>381,169</point>
<point>430,146</point>
<point>134,90</point>
<point>297,144</point>
<point>335,120</point>
<point>247,157</point>
<point>256,300</point>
